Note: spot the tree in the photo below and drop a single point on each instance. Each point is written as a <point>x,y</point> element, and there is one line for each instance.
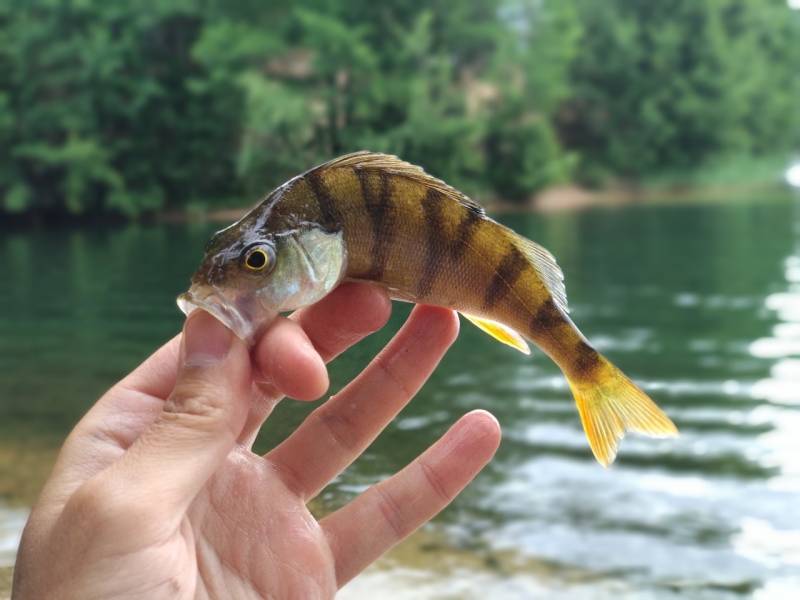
<point>108,109</point>
<point>670,85</point>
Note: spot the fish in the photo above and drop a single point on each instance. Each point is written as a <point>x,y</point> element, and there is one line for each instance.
<point>373,217</point>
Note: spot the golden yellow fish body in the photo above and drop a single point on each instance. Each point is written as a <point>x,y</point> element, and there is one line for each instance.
<point>428,243</point>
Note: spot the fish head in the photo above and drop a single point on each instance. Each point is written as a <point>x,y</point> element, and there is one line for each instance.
<point>251,272</point>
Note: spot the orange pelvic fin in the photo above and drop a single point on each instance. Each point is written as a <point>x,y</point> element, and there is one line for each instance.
<point>502,333</point>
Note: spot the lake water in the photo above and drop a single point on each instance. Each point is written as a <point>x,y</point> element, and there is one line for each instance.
<point>700,304</point>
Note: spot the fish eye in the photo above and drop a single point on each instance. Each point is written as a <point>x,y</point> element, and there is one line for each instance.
<point>258,258</point>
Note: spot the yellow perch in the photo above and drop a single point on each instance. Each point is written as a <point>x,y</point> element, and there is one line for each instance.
<point>374,217</point>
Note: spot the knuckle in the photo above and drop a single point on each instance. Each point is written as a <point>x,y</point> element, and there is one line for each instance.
<point>435,482</point>
<point>391,512</point>
<point>340,427</point>
<point>388,371</point>
<point>198,405</point>
<point>88,500</point>
<point>98,505</point>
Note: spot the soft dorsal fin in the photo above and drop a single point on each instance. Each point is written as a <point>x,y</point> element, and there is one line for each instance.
<point>547,267</point>
<point>365,159</point>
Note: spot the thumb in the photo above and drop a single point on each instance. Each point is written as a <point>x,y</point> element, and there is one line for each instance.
<point>200,422</point>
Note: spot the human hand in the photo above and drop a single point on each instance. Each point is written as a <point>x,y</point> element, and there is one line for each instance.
<point>157,493</point>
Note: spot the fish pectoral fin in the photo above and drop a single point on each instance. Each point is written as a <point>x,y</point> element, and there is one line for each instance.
<point>500,332</point>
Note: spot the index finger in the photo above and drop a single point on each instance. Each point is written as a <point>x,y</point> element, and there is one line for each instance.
<point>343,317</point>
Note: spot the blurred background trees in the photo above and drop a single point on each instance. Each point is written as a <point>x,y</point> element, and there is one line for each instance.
<point>111,107</point>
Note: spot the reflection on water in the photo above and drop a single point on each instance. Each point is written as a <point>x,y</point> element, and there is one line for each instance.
<point>698,303</point>
<point>11,523</point>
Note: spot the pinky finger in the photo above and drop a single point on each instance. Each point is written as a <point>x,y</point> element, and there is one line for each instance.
<point>391,510</point>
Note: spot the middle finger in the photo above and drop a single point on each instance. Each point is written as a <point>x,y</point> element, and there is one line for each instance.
<point>337,432</point>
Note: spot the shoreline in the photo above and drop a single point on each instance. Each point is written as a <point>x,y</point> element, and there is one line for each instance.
<point>569,197</point>
<point>563,198</point>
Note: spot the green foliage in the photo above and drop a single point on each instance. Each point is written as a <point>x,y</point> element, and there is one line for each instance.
<point>132,108</point>
<point>672,85</point>
<point>108,109</point>
<point>524,155</point>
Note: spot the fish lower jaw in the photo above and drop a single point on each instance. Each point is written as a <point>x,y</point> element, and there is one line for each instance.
<point>243,325</point>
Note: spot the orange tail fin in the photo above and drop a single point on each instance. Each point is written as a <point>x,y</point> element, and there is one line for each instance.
<point>610,404</point>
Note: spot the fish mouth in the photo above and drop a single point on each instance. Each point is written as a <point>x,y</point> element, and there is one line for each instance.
<point>234,315</point>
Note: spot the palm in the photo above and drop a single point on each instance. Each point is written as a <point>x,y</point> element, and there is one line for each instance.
<point>261,545</point>
<point>234,535</point>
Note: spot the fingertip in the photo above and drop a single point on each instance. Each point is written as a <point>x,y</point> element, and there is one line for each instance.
<point>481,430</point>
<point>370,302</point>
<point>288,360</point>
<point>345,316</point>
<point>306,376</point>
<point>436,322</point>
<point>483,423</point>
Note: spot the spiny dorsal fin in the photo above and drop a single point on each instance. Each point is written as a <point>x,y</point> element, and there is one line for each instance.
<point>365,159</point>
<point>547,267</point>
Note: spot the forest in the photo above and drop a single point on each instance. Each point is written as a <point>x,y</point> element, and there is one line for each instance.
<point>132,108</point>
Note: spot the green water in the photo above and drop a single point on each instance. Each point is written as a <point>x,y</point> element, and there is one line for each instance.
<point>701,304</point>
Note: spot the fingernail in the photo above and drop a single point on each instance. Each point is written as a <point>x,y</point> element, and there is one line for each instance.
<point>482,423</point>
<point>205,340</point>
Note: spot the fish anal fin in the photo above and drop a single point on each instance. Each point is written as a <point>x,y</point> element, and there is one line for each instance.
<point>502,333</point>
<point>610,404</point>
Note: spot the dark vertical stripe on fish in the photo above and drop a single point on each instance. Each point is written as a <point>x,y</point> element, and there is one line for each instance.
<point>506,275</point>
<point>587,360</point>
<point>382,231</point>
<point>546,317</point>
<point>432,206</point>
<point>466,228</point>
<point>363,181</point>
<point>331,218</point>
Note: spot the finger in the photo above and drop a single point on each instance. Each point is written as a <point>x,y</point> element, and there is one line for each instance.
<point>345,316</point>
<point>292,367</point>
<point>339,431</point>
<point>198,424</point>
<point>289,363</point>
<point>286,364</point>
<point>389,511</point>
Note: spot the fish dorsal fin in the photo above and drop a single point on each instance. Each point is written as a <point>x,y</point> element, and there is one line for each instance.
<point>392,164</point>
<point>547,267</point>
<point>502,333</point>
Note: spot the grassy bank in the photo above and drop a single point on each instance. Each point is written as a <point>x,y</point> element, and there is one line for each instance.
<point>734,172</point>
<point>730,179</point>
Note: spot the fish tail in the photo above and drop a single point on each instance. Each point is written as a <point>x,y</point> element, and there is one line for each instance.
<point>610,404</point>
